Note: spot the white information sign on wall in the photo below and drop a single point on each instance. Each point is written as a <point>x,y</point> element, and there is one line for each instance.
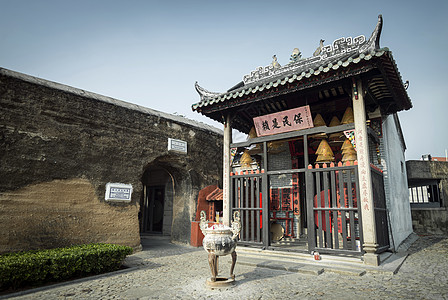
<point>177,145</point>
<point>118,192</point>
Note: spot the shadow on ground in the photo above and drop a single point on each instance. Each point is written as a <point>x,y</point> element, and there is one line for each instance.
<point>427,241</point>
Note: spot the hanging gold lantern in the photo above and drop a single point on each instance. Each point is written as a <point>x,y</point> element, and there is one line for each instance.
<point>346,145</point>
<point>246,160</point>
<point>318,122</point>
<point>348,116</point>
<point>334,122</point>
<point>335,136</point>
<point>252,135</point>
<point>348,152</point>
<point>324,152</point>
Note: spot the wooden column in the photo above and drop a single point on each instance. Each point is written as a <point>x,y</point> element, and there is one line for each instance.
<point>365,181</point>
<point>226,172</point>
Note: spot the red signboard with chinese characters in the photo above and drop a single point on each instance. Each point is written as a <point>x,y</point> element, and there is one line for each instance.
<point>284,121</point>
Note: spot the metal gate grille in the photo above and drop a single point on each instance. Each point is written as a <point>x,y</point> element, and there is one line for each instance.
<point>379,202</point>
<point>247,199</point>
<point>333,211</point>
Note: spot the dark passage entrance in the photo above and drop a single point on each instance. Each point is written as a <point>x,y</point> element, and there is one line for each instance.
<point>153,209</point>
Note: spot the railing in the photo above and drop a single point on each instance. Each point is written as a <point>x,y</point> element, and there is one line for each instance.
<point>334,213</point>
<point>426,194</point>
<point>247,198</point>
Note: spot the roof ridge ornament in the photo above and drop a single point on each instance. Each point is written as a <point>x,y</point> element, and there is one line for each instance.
<point>296,55</point>
<point>205,94</point>
<point>319,49</point>
<point>374,41</point>
<point>339,48</point>
<point>274,62</point>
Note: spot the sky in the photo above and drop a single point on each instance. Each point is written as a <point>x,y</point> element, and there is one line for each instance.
<point>151,53</point>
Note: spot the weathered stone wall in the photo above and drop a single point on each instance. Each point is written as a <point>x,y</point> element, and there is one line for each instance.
<point>427,219</point>
<point>430,220</point>
<point>421,170</point>
<point>60,146</point>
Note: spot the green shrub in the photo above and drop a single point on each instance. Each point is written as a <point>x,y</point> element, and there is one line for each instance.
<point>42,266</point>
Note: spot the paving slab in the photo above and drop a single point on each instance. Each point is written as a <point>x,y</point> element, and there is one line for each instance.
<point>164,270</point>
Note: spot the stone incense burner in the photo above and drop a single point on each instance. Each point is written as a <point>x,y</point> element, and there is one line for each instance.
<point>220,240</point>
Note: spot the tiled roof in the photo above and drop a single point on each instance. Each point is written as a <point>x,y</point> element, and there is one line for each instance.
<point>343,53</point>
<point>210,99</point>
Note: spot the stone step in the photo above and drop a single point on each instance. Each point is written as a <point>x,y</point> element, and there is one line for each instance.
<point>292,256</point>
<point>302,268</point>
<point>305,262</point>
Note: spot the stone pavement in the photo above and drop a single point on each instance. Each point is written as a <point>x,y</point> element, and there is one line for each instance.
<point>169,271</point>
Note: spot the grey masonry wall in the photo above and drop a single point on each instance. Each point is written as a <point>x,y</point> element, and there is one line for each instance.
<point>395,181</point>
<point>433,220</point>
<point>60,146</point>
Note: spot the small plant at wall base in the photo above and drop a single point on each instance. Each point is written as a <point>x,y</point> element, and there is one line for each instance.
<point>39,267</point>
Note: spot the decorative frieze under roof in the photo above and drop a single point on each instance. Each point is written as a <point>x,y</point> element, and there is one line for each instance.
<point>344,58</point>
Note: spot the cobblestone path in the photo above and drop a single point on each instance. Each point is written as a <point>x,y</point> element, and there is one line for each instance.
<point>168,271</point>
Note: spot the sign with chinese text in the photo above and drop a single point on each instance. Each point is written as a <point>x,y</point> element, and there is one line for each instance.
<point>118,192</point>
<point>284,121</point>
<point>177,145</point>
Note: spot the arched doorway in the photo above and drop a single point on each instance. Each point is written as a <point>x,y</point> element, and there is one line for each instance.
<point>169,181</point>
<point>156,206</point>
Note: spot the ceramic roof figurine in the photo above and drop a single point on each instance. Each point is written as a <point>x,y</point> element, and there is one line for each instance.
<point>329,56</point>
<point>319,49</point>
<point>296,55</point>
<point>275,63</point>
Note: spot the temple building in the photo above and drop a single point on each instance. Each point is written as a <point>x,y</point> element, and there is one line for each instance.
<point>323,168</point>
